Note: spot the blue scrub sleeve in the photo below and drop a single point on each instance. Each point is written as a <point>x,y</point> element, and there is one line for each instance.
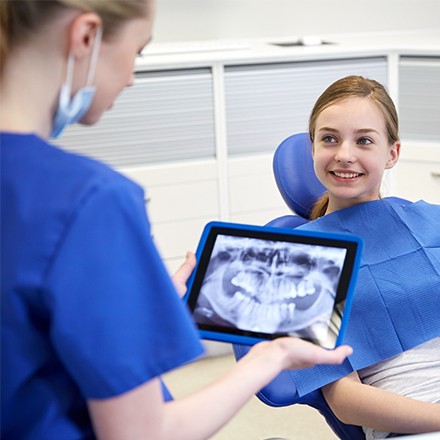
<point>116,319</point>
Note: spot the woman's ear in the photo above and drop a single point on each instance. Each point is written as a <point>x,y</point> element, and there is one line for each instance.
<point>82,34</point>
<point>394,154</point>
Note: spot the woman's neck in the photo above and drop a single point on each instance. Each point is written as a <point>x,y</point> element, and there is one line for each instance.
<point>28,91</point>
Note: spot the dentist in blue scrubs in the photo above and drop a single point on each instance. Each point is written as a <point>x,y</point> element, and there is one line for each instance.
<point>89,316</point>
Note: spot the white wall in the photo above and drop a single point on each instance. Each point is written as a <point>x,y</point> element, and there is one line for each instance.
<point>231,19</point>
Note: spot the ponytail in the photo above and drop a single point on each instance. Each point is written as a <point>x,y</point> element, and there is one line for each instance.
<point>320,207</point>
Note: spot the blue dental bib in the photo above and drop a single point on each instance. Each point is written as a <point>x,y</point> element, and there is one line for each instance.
<point>397,298</point>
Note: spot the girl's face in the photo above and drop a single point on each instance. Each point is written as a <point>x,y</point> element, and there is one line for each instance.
<point>351,152</point>
<point>115,67</point>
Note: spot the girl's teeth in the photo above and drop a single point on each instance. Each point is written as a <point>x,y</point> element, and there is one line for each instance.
<point>347,175</point>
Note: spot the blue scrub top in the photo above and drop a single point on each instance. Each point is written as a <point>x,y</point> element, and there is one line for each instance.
<point>87,308</point>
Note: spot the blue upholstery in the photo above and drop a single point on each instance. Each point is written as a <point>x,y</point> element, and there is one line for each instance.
<point>295,176</point>
<point>300,188</point>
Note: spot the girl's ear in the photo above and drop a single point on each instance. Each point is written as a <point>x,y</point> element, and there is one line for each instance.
<point>82,34</point>
<point>394,154</point>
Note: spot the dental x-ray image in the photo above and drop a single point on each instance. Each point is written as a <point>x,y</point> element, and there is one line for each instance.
<point>272,287</point>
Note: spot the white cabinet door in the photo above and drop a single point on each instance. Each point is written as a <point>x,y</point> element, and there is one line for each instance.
<point>419,180</point>
<point>253,195</point>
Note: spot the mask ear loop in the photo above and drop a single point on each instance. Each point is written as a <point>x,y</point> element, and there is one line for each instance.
<point>94,58</point>
<point>66,89</point>
<point>65,95</point>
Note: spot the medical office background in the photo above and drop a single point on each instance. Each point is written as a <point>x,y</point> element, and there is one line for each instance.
<point>199,129</point>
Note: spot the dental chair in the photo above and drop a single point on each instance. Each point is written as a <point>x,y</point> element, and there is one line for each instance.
<point>300,188</point>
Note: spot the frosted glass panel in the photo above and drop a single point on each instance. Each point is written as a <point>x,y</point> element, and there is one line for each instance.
<point>419,99</point>
<point>166,116</point>
<point>267,103</point>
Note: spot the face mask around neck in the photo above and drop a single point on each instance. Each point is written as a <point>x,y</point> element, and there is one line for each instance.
<point>72,108</point>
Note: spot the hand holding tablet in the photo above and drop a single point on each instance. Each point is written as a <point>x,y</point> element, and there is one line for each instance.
<point>255,283</point>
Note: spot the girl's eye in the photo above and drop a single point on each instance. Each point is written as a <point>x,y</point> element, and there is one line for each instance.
<point>328,139</point>
<point>364,141</point>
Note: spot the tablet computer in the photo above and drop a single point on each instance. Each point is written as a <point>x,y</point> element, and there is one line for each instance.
<point>254,283</point>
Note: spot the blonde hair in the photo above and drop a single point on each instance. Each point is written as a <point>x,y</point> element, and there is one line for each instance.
<point>354,87</point>
<point>20,19</point>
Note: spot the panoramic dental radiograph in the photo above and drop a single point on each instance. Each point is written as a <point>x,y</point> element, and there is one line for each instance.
<point>270,287</point>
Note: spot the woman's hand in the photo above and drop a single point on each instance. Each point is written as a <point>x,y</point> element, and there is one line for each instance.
<point>183,273</point>
<point>303,354</point>
<point>290,353</point>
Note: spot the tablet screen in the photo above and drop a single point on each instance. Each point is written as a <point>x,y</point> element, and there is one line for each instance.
<point>253,283</point>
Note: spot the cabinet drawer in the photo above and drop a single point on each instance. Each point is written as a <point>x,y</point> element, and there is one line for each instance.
<point>174,239</point>
<point>260,217</point>
<point>178,191</point>
<point>252,185</point>
<point>253,193</point>
<point>418,180</point>
<point>183,201</point>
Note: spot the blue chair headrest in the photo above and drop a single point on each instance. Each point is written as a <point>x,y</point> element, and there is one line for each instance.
<point>295,176</point>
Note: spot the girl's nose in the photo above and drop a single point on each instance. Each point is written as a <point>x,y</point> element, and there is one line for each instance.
<point>345,153</point>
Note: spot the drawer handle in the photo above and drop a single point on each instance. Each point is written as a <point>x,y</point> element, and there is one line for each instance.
<point>435,174</point>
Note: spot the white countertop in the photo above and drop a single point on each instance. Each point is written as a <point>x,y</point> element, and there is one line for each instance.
<point>208,53</point>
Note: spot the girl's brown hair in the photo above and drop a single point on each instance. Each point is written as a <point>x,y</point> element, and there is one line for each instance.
<point>354,87</point>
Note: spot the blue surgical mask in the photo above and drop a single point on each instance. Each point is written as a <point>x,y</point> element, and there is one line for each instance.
<point>71,109</point>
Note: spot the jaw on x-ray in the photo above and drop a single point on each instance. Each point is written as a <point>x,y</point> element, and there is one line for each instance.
<point>270,287</point>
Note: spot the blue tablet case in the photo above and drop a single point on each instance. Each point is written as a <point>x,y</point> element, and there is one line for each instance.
<point>255,283</point>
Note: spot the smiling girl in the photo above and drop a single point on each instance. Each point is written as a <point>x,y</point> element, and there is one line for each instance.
<point>354,130</point>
